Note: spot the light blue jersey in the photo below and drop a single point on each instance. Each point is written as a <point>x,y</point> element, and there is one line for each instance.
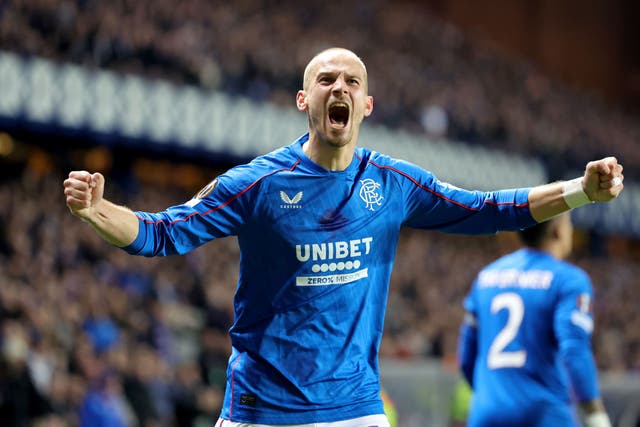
<point>317,249</point>
<point>526,342</point>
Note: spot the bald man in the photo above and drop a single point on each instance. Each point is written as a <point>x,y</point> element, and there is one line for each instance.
<point>317,223</point>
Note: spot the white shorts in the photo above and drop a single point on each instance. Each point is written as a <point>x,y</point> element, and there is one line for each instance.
<point>379,420</point>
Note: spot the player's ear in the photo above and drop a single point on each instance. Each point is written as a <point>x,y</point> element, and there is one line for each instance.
<point>301,100</point>
<point>368,108</point>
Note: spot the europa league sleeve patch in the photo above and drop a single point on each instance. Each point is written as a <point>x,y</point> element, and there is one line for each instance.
<point>584,304</point>
<point>207,189</point>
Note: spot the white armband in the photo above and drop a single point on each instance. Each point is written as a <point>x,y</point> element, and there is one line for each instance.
<point>597,419</point>
<point>573,193</point>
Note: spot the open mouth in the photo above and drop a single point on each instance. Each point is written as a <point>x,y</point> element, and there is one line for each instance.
<point>339,114</point>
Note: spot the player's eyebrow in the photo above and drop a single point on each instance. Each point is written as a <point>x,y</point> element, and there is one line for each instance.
<point>326,74</point>
<point>347,75</point>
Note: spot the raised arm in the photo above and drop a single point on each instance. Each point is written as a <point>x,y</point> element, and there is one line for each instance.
<point>601,182</point>
<point>84,194</point>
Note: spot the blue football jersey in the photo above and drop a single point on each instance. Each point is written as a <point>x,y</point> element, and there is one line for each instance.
<point>316,252</point>
<point>526,342</point>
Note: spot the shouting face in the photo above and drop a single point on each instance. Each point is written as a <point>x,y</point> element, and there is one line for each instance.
<point>335,97</point>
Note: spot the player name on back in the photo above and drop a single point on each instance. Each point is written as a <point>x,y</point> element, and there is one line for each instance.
<point>513,278</point>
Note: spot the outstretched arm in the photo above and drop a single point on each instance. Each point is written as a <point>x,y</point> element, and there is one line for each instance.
<point>601,182</point>
<point>84,194</point>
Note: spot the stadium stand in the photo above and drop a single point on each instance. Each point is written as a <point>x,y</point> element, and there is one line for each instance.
<point>80,320</point>
<point>244,49</point>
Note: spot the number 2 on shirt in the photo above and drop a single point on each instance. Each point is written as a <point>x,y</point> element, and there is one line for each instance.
<point>498,357</point>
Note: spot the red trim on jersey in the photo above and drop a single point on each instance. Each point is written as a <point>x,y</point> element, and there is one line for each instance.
<point>442,196</point>
<point>517,205</point>
<point>226,203</point>
<point>233,371</point>
<point>435,193</point>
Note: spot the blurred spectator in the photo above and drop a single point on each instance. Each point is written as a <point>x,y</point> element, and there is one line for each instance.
<point>435,121</point>
<point>61,395</point>
<point>194,399</point>
<point>104,404</point>
<point>20,401</point>
<point>101,329</point>
<point>137,385</point>
<point>213,358</point>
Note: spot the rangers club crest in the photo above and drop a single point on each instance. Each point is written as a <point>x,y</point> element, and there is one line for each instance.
<point>369,193</point>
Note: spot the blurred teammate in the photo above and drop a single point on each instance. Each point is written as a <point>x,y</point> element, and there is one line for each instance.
<point>526,341</point>
<point>317,223</point>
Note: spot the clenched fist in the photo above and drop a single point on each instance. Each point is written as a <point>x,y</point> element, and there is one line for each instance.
<point>83,191</point>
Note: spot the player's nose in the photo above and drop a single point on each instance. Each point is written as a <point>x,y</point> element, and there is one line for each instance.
<point>339,85</point>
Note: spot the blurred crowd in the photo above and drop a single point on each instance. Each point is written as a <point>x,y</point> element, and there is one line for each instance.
<point>90,333</point>
<point>91,336</point>
<point>425,75</point>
